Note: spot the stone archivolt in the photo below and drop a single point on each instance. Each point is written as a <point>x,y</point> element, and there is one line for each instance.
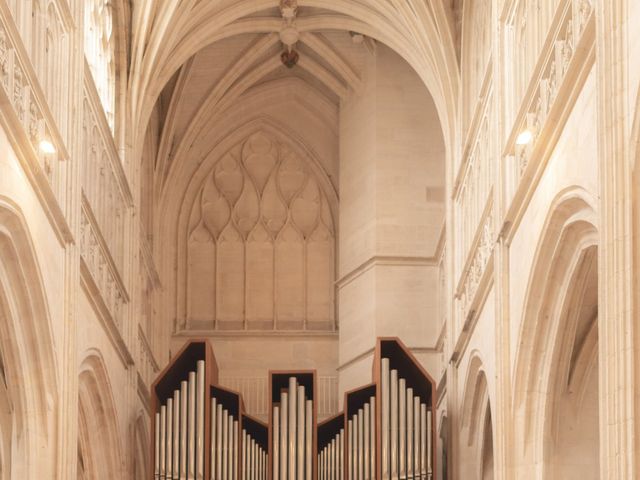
<point>261,243</point>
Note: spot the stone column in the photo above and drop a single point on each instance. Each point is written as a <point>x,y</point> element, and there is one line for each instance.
<point>391,216</point>
<point>617,325</point>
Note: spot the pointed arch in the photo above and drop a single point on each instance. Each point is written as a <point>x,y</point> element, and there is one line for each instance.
<point>142,457</point>
<point>314,242</point>
<point>476,427</point>
<point>99,449</point>
<point>26,350</point>
<point>556,342</point>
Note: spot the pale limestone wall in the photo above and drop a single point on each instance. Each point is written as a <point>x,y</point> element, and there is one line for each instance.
<point>371,131</point>
<point>573,165</point>
<point>391,214</point>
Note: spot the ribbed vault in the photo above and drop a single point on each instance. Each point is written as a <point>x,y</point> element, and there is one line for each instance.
<point>171,32</point>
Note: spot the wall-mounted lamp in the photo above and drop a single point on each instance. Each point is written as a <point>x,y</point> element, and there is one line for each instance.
<point>47,147</point>
<point>524,138</point>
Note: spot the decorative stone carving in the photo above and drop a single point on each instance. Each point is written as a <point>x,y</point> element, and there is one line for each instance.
<point>260,243</point>
<point>475,184</point>
<point>554,72</point>
<point>103,180</point>
<point>97,262</point>
<point>480,258</point>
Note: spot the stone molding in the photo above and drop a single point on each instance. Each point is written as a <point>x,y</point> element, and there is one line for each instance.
<point>27,120</point>
<point>562,69</point>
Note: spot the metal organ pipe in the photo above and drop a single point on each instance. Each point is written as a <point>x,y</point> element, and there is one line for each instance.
<point>184,395</point>
<point>416,436</point>
<point>423,440</point>
<point>191,430</point>
<point>275,442</point>
<point>308,440</point>
<point>301,422</point>
<point>176,435</point>
<point>402,426</point>
<point>169,430</point>
<point>385,435</point>
<point>394,422</point>
<point>350,450</point>
<point>367,441</point>
<point>409,408</point>
<point>163,440</point>
<point>293,403</point>
<point>219,446</point>
<point>385,406</point>
<point>199,445</point>
<point>156,463</point>
<point>372,438</point>
<point>284,431</point>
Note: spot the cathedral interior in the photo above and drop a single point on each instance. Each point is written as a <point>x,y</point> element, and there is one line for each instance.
<point>320,239</point>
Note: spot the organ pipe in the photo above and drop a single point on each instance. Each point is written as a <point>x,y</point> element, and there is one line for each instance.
<point>301,422</point>
<point>191,430</point>
<point>156,468</point>
<point>409,408</point>
<point>184,399</point>
<point>308,440</point>
<point>176,435</point>
<point>284,431</point>
<point>402,426</point>
<point>200,420</point>
<point>219,444</point>
<point>169,428</point>
<point>385,403</point>
<point>163,440</point>
<point>386,432</point>
<point>394,422</point>
<point>276,443</point>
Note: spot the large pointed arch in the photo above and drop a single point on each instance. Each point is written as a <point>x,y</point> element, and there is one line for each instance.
<point>99,448</point>
<point>181,194</point>
<point>26,348</point>
<point>171,32</point>
<point>475,444</point>
<point>554,348</point>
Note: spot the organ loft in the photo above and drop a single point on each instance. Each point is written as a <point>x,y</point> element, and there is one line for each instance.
<point>319,239</point>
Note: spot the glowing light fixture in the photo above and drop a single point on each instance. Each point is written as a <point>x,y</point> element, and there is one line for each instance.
<point>524,138</point>
<point>47,147</point>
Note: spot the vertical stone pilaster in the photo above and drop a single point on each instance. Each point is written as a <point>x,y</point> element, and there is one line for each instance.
<point>67,451</point>
<point>617,323</point>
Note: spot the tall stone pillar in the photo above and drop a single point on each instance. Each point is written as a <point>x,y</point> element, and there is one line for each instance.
<point>618,325</point>
<point>391,216</point>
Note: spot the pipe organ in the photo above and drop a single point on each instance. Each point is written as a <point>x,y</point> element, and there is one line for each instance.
<point>331,448</point>
<point>255,447</point>
<point>201,431</point>
<point>292,425</point>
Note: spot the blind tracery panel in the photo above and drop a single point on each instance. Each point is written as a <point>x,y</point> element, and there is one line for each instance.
<point>260,250</point>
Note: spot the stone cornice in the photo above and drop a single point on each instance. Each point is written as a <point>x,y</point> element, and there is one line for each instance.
<point>386,260</point>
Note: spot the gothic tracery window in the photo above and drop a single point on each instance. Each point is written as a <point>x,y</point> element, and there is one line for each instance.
<point>99,49</point>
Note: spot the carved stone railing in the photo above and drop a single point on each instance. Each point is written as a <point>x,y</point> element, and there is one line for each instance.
<point>562,68</point>
<point>102,281</point>
<point>104,183</point>
<point>475,271</point>
<point>28,121</point>
<point>146,363</point>
<point>255,393</point>
<point>474,183</point>
<point>46,29</point>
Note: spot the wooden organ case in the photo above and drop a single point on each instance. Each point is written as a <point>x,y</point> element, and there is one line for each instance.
<point>202,432</point>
